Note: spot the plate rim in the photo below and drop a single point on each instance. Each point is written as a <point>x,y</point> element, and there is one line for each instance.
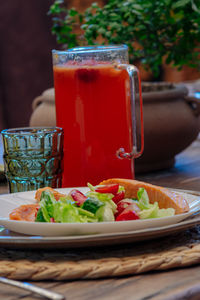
<point>70,242</point>
<point>83,236</point>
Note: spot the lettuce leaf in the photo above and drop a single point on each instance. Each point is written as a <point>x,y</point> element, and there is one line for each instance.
<point>165,212</point>
<point>143,199</point>
<point>105,213</point>
<point>148,210</point>
<point>67,213</point>
<point>149,213</point>
<point>47,202</point>
<point>39,217</point>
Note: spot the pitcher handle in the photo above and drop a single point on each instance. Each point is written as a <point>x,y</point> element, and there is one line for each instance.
<point>135,91</point>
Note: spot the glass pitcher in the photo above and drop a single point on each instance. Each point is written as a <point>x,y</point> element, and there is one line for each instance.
<point>99,106</point>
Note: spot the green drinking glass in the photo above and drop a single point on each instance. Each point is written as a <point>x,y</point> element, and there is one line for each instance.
<point>33,157</point>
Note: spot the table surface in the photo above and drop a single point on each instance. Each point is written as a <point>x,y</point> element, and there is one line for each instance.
<point>177,284</point>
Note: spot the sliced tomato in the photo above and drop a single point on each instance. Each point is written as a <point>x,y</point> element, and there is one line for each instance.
<point>127,215</point>
<point>78,197</point>
<point>122,205</point>
<point>118,197</point>
<point>110,188</point>
<point>133,206</point>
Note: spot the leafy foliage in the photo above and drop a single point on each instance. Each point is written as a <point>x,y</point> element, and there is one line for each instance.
<point>155,31</point>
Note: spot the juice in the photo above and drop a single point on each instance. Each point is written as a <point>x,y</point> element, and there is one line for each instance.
<point>93,108</point>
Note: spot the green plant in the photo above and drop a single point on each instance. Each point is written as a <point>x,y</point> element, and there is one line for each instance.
<point>155,31</point>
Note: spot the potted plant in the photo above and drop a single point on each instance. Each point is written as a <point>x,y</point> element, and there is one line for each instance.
<point>157,33</point>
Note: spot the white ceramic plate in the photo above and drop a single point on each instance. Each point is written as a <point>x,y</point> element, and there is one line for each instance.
<point>11,201</point>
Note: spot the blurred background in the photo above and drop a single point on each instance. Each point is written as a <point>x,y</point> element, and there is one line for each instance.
<point>25,57</point>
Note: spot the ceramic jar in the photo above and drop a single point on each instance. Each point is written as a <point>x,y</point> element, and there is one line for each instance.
<point>171,124</point>
<point>44,113</point>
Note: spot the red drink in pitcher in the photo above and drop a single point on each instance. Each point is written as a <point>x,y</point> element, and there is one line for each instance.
<point>93,107</point>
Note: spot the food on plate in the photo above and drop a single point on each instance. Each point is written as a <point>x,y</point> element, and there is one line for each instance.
<point>111,200</point>
<point>163,196</point>
<point>25,212</point>
<point>56,194</point>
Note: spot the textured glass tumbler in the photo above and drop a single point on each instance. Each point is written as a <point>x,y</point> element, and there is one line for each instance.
<point>32,157</point>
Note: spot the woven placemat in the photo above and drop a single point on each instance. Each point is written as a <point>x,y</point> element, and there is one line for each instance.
<point>179,250</point>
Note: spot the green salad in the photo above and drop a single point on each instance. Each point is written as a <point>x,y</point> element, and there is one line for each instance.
<point>99,204</point>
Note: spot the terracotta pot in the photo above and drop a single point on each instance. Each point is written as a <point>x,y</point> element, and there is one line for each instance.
<point>171,122</point>
<point>44,113</point>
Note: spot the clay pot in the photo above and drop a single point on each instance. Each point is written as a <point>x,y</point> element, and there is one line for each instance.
<point>171,122</point>
<point>44,113</point>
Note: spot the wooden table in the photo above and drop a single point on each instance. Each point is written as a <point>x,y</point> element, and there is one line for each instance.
<point>169,285</point>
